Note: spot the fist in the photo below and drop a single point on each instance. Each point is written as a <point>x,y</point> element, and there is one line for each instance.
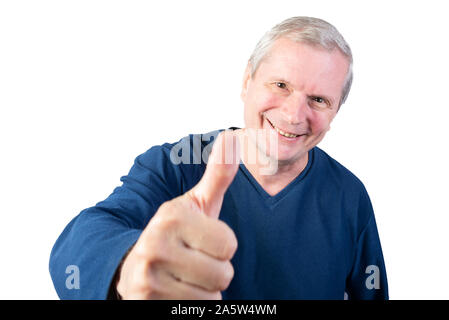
<point>185,251</point>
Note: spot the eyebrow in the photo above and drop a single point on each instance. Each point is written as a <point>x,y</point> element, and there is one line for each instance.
<point>279,79</point>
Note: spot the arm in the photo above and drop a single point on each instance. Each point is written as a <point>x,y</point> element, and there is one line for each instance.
<point>98,238</point>
<point>368,278</point>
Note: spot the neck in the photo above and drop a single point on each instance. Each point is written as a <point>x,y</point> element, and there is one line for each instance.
<point>273,175</point>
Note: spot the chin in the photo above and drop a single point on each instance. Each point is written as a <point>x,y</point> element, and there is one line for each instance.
<point>284,156</point>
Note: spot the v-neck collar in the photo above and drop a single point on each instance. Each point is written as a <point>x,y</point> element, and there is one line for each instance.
<point>271,201</point>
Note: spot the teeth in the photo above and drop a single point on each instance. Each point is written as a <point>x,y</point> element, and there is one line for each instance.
<point>285,134</point>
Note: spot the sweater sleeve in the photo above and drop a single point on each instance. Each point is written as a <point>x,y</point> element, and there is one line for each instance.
<point>86,255</point>
<point>367,279</point>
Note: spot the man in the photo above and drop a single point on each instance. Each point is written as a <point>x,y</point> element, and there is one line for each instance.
<point>287,222</point>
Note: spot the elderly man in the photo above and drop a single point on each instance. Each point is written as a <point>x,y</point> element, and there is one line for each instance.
<point>262,216</point>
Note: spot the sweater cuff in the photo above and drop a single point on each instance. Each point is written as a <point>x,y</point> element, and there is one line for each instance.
<point>114,265</point>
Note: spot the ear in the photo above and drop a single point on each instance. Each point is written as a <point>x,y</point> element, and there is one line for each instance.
<point>246,79</point>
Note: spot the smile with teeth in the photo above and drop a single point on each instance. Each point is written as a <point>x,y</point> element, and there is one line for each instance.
<point>282,133</point>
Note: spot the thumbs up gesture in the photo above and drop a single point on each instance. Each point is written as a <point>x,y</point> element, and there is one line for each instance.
<point>185,251</point>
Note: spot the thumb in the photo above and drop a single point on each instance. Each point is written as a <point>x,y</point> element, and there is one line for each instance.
<point>221,169</point>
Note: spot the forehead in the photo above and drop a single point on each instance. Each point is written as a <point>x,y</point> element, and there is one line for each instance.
<point>305,66</point>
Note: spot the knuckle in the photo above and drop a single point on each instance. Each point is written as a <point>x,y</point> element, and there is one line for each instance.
<point>229,244</point>
<point>140,251</point>
<point>157,248</point>
<point>166,220</point>
<point>216,296</point>
<point>153,288</point>
<point>225,277</point>
<point>157,251</point>
<point>153,256</point>
<point>144,251</point>
<point>228,274</point>
<point>121,288</point>
<point>151,250</point>
<point>140,284</point>
<point>148,291</point>
<point>170,222</point>
<point>232,245</point>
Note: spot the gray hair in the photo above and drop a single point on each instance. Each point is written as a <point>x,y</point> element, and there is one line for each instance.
<point>313,31</point>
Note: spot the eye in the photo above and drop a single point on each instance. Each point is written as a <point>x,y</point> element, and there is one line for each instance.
<point>320,102</point>
<point>281,85</point>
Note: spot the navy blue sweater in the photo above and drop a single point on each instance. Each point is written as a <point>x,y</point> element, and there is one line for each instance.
<point>315,239</point>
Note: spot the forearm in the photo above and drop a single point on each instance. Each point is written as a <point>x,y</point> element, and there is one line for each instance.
<point>95,242</point>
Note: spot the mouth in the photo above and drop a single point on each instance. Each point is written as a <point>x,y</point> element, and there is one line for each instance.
<point>282,132</point>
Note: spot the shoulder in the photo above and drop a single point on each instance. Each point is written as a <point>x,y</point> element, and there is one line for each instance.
<point>182,161</point>
<point>184,150</point>
<point>352,194</point>
<point>336,172</point>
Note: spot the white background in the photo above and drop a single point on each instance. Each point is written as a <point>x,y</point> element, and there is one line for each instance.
<point>86,86</point>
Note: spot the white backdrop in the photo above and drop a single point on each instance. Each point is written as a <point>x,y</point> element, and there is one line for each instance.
<point>86,86</point>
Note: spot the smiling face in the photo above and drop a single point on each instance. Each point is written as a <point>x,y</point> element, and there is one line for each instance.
<point>294,95</point>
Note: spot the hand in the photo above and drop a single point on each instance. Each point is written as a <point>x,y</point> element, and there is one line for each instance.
<point>185,251</point>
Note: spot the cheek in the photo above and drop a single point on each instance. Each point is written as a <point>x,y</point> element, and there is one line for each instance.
<point>259,102</point>
<point>266,102</point>
<point>319,122</point>
<point>262,98</point>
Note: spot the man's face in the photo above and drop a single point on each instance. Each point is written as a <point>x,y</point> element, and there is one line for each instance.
<point>294,95</point>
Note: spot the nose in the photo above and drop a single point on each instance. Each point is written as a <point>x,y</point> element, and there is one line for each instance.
<point>295,109</point>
